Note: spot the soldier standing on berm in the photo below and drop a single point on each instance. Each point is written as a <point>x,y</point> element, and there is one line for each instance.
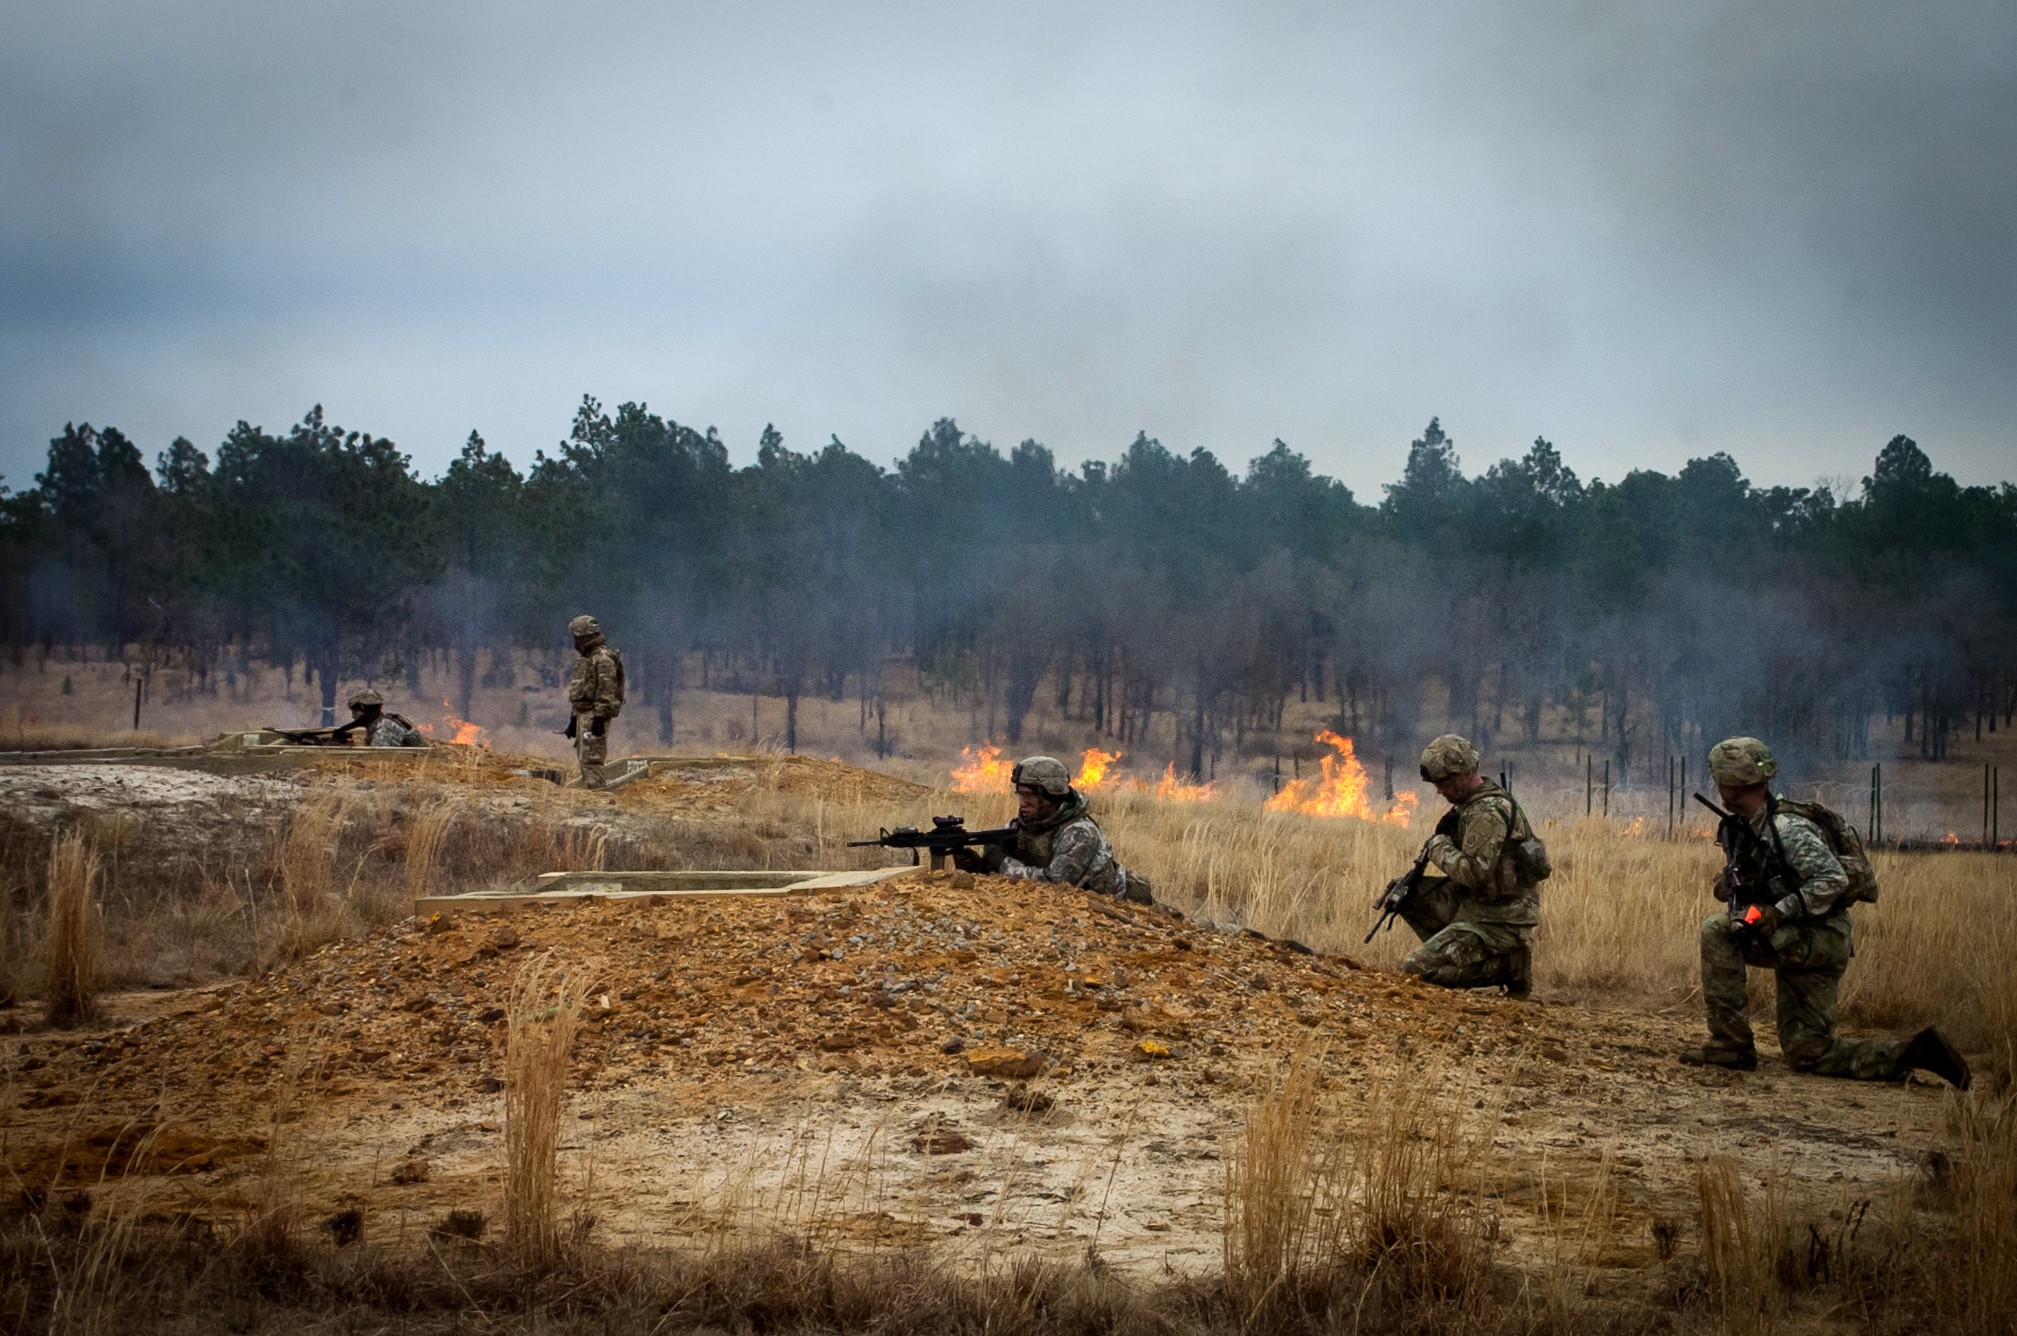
<point>1474,920</point>
<point>594,697</point>
<point>1780,860</point>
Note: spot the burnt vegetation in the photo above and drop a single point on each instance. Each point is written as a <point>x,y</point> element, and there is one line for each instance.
<point>1650,614</point>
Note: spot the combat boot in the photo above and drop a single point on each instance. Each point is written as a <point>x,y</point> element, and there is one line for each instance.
<point>1929,1051</point>
<point>1520,971</point>
<point>1746,1061</point>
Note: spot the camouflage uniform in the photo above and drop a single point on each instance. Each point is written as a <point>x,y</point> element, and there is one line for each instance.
<point>595,693</point>
<point>392,731</point>
<point>381,729</point>
<point>1808,953</point>
<point>1785,862</point>
<point>1067,847</point>
<point>1474,921</point>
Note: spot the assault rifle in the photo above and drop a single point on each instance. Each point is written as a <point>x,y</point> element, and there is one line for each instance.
<point>947,833</point>
<point>334,736</point>
<point>1398,892</point>
<point>1742,900</point>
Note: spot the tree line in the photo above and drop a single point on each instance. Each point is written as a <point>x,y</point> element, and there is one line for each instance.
<point>1645,614</point>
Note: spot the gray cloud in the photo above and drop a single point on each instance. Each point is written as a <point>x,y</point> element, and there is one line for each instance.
<point>1643,230</point>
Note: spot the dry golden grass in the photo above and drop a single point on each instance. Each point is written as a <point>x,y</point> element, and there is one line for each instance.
<point>1980,1289</point>
<point>73,936</point>
<point>1373,1211</point>
<point>423,845</point>
<point>544,1013</point>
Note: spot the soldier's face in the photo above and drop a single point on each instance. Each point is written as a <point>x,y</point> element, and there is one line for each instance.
<point>1030,804</point>
<point>1743,799</point>
<point>1457,787</point>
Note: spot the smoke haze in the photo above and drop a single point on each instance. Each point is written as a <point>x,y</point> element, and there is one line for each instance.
<point>1645,231</point>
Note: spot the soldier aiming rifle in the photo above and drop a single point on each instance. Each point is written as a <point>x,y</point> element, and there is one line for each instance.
<point>368,715</point>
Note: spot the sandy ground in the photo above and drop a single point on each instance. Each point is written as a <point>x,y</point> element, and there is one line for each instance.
<point>818,1064</point>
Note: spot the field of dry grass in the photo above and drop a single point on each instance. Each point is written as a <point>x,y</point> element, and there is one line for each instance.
<point>1346,1208</point>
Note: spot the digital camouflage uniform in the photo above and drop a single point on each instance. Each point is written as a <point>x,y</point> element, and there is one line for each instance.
<point>1065,847</point>
<point>379,727</point>
<point>390,730</point>
<point>595,693</point>
<point>1068,848</point>
<point>1781,867</point>
<point>1474,921</point>
<point>1808,955</point>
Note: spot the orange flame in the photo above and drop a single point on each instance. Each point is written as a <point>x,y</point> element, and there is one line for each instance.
<point>984,772</point>
<point>466,733</point>
<point>1950,838</point>
<point>1093,768</point>
<point>1341,790</point>
<point>1173,790</point>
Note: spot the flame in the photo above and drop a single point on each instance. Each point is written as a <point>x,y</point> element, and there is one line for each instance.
<point>1093,768</point>
<point>466,733</point>
<point>1173,790</point>
<point>1950,838</point>
<point>984,772</point>
<point>1341,790</point>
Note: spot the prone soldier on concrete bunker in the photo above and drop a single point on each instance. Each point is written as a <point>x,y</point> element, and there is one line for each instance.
<point>1791,870</point>
<point>594,697</point>
<point>1057,839</point>
<point>1474,921</point>
<point>379,727</point>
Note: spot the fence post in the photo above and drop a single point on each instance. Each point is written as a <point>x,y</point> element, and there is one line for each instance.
<point>1878,802</point>
<point>1607,786</point>
<point>1670,795</point>
<point>1589,782</point>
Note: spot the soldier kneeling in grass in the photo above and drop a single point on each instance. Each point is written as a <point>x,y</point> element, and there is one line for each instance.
<point>1791,870</point>
<point>1475,919</point>
<point>1057,839</point>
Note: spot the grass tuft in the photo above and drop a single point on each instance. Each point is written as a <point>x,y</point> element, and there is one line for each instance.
<point>74,935</point>
<point>543,1016</point>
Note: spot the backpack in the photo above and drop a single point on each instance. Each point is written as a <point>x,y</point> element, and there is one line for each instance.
<point>1845,843</point>
<point>1527,854</point>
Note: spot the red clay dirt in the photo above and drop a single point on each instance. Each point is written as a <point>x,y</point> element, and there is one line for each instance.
<point>984,1063</point>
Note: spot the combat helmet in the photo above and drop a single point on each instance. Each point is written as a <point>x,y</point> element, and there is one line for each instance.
<point>1045,774</point>
<point>1447,757</point>
<point>584,626</point>
<point>364,697</point>
<point>1742,762</point>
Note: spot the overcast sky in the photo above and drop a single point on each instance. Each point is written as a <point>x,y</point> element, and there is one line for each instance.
<point>1646,230</point>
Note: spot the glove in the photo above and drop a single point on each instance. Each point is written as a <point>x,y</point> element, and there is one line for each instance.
<point>598,726</point>
<point>569,731</point>
<point>1764,919</point>
<point>992,856</point>
<point>966,860</point>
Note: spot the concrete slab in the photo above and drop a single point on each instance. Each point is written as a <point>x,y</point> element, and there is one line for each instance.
<point>561,887</point>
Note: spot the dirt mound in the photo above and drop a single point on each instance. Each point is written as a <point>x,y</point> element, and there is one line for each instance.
<point>720,783</point>
<point>929,973</point>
